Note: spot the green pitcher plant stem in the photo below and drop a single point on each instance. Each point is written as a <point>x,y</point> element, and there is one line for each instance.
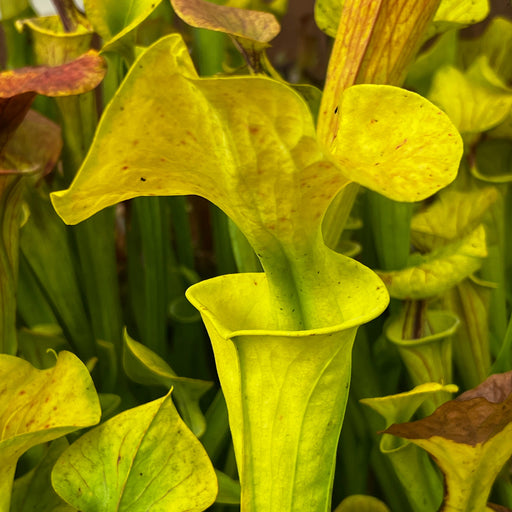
<point>55,45</point>
<point>286,391</point>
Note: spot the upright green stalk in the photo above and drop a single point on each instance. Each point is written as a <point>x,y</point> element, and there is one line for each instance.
<point>95,238</point>
<point>148,250</point>
<point>11,197</point>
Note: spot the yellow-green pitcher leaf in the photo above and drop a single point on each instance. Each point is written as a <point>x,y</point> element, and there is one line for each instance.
<point>257,26</point>
<point>470,439</point>
<point>395,142</point>
<point>247,144</point>
<point>142,459</point>
<point>285,390</point>
<point>427,353</point>
<point>439,270</point>
<point>453,214</point>
<point>37,406</point>
<point>114,19</point>
<point>327,15</point>
<point>457,14</point>
<point>475,100</point>
<point>53,44</point>
<point>145,367</point>
<point>449,14</point>
<point>401,407</point>
<point>411,464</point>
<point>493,43</point>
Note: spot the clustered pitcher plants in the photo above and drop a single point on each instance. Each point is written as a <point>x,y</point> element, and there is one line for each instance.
<point>177,129</point>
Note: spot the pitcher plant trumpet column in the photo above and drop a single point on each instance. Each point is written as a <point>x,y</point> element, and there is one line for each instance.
<point>282,339</point>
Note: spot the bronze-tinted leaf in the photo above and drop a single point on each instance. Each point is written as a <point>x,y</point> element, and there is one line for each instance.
<point>470,440</point>
<point>37,142</point>
<point>472,418</point>
<point>12,112</point>
<point>75,77</point>
<point>257,26</point>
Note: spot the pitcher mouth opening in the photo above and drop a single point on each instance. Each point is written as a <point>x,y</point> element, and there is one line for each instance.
<point>225,301</point>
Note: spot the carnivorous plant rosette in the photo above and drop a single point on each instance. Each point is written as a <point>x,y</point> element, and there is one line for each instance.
<point>282,339</point>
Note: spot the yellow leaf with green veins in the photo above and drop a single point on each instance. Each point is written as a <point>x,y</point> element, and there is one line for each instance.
<point>476,100</point>
<point>37,406</point>
<point>457,14</point>
<point>494,43</point>
<point>438,271</point>
<point>114,19</point>
<point>285,390</point>
<point>143,459</point>
<point>453,214</point>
